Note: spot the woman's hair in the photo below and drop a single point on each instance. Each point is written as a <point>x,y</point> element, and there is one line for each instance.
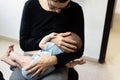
<point>62,1</point>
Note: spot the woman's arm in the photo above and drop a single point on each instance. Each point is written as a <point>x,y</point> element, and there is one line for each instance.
<point>69,42</point>
<point>28,40</point>
<point>77,26</point>
<point>72,46</point>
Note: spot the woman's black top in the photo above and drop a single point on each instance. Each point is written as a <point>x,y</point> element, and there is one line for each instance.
<point>37,23</point>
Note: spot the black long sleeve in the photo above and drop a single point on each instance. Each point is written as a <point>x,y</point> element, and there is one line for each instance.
<point>37,23</point>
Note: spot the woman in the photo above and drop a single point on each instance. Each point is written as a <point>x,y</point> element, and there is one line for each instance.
<point>42,17</point>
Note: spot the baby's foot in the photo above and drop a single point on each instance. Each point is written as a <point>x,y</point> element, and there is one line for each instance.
<point>6,56</point>
<point>74,63</point>
<point>82,61</point>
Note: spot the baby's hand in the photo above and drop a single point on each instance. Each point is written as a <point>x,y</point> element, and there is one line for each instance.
<point>47,38</point>
<point>52,35</point>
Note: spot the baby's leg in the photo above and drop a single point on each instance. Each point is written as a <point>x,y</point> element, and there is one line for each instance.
<point>6,57</point>
<point>20,59</point>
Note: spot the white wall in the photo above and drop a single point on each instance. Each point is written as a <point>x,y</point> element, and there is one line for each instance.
<point>117,9</point>
<point>94,13</point>
<point>10,17</point>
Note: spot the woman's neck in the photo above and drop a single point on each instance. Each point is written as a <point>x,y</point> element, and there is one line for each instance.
<point>44,4</point>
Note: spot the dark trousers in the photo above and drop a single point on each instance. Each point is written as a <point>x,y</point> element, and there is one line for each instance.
<point>72,74</point>
<point>1,76</point>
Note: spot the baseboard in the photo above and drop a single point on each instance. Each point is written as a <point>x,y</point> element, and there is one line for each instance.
<point>87,58</point>
<point>8,38</point>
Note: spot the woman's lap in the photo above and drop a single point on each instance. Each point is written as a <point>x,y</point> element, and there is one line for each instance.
<point>16,75</point>
<point>59,74</point>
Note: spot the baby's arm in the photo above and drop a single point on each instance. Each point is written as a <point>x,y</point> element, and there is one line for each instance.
<point>46,39</point>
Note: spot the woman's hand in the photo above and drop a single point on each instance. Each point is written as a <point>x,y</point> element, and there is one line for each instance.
<point>42,65</point>
<point>65,44</point>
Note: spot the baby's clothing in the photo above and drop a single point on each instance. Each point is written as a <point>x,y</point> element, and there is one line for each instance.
<point>51,49</point>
